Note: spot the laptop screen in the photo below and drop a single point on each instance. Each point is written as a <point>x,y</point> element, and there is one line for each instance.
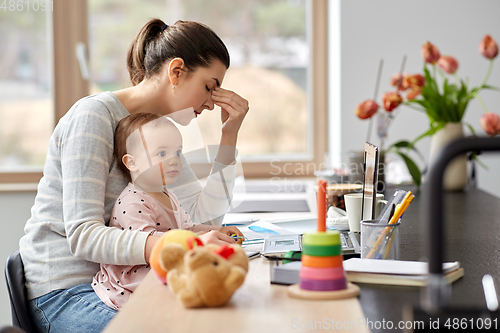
<point>370,179</point>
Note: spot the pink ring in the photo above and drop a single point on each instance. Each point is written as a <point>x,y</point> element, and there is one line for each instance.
<point>315,273</point>
<point>323,285</point>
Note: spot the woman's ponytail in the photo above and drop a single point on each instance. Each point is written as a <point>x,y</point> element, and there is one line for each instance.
<point>137,50</point>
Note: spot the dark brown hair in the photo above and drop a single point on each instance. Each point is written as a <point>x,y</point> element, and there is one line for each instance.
<point>125,127</point>
<point>195,43</point>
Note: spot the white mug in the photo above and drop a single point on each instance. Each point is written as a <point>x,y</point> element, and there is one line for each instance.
<point>353,208</point>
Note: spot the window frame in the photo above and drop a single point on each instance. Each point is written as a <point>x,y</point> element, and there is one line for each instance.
<point>70,26</point>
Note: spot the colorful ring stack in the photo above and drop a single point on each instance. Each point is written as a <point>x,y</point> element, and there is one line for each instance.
<point>322,268</point>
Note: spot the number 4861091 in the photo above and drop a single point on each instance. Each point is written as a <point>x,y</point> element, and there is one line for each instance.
<point>27,5</point>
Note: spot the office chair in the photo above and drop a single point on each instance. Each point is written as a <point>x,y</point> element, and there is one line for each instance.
<point>11,329</point>
<point>14,275</point>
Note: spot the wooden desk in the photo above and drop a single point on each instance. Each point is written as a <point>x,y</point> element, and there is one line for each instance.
<point>472,233</point>
<point>257,306</point>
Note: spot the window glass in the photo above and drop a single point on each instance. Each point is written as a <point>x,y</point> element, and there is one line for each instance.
<point>26,103</point>
<point>269,63</point>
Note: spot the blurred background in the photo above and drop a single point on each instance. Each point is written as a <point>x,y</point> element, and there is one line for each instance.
<point>267,41</point>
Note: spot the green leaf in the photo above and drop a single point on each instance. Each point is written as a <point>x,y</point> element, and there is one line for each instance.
<point>412,168</point>
<point>491,87</point>
<point>434,128</point>
<point>473,131</point>
<point>404,144</point>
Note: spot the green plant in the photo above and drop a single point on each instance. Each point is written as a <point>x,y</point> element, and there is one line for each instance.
<point>448,102</point>
<point>441,103</point>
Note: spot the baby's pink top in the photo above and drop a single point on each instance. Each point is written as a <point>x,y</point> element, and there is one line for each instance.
<point>136,210</point>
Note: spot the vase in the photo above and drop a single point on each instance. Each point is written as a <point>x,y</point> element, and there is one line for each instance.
<point>455,176</point>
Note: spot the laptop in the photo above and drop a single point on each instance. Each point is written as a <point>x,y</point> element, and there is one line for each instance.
<point>370,179</point>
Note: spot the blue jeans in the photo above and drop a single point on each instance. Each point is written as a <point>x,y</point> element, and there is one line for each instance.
<point>76,309</point>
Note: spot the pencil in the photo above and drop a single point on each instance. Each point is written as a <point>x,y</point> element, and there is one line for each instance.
<point>399,211</point>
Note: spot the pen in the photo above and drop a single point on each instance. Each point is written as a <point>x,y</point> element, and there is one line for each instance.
<point>393,208</point>
<point>388,247</point>
<point>399,211</point>
<point>388,240</point>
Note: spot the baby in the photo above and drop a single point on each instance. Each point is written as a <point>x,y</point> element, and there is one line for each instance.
<point>148,149</point>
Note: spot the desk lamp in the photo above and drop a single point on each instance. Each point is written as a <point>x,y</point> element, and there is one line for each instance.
<point>435,297</point>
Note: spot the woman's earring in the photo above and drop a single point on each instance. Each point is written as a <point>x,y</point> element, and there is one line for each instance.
<point>173,87</point>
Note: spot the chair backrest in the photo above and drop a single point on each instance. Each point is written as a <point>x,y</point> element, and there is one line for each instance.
<point>14,275</point>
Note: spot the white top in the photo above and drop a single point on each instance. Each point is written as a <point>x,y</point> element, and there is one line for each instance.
<point>66,237</point>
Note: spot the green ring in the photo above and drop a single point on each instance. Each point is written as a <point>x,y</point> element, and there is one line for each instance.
<point>318,238</point>
<point>322,250</point>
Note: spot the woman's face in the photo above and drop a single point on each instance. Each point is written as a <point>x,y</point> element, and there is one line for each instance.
<point>194,89</point>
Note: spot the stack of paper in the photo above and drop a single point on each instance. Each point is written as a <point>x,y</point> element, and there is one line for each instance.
<point>396,272</point>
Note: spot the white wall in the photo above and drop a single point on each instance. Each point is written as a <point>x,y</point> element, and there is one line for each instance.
<point>15,208</point>
<point>389,29</point>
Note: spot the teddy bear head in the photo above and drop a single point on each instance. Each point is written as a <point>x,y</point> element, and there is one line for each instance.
<point>204,275</point>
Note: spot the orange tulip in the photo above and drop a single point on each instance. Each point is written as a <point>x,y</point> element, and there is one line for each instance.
<point>391,100</point>
<point>366,109</point>
<point>397,80</point>
<point>413,93</point>
<point>448,64</point>
<point>430,53</point>
<point>488,47</point>
<point>490,122</point>
<point>417,81</point>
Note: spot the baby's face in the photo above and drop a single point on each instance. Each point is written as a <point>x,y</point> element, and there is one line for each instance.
<point>157,156</point>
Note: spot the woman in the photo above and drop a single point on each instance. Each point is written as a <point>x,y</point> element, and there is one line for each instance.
<point>171,68</point>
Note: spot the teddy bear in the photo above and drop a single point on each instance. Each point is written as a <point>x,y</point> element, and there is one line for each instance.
<point>200,275</point>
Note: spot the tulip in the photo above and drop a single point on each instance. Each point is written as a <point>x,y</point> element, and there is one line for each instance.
<point>430,53</point>
<point>366,109</point>
<point>413,93</point>
<point>448,64</point>
<point>397,80</point>
<point>391,100</point>
<point>488,47</point>
<point>416,81</point>
<point>490,122</point>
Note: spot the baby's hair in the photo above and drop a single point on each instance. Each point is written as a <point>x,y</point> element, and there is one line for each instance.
<point>125,128</point>
<point>156,43</point>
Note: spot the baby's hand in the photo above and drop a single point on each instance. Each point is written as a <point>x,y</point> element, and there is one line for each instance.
<point>231,230</point>
<point>216,237</point>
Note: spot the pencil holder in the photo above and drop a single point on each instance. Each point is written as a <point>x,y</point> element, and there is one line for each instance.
<point>379,241</point>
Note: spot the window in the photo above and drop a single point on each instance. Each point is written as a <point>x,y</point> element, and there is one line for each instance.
<point>278,62</point>
<point>26,104</point>
<point>41,79</point>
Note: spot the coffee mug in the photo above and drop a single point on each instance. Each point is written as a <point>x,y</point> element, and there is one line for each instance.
<point>353,208</point>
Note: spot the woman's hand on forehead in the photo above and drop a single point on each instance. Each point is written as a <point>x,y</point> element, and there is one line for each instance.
<point>233,109</point>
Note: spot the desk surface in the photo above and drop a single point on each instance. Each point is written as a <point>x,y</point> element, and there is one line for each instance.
<point>472,237</point>
<point>257,306</point>
<point>472,233</point>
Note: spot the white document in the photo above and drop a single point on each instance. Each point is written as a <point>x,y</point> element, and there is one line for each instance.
<point>398,267</point>
<point>263,229</point>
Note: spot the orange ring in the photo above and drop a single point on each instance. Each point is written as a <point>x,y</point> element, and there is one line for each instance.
<point>313,261</point>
